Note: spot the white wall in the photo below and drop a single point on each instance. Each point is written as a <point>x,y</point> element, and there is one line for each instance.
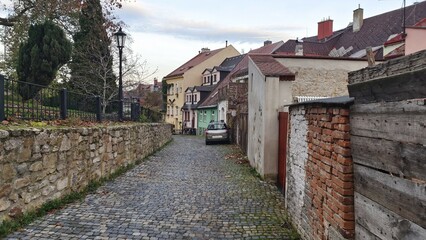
<point>265,96</point>
<point>256,103</point>
<point>222,114</point>
<point>296,161</point>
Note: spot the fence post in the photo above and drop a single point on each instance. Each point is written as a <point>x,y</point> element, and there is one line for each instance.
<point>98,109</point>
<point>2,89</point>
<point>135,108</point>
<point>63,105</point>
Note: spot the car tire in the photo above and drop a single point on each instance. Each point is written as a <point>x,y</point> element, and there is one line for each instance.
<point>207,143</point>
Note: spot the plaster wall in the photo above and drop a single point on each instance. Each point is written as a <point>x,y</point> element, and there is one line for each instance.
<point>321,77</point>
<point>266,95</point>
<point>415,40</point>
<point>193,77</point>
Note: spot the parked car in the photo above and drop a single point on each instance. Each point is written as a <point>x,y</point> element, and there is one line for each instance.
<point>217,132</point>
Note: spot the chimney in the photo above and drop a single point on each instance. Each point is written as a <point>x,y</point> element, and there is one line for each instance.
<point>204,50</point>
<point>299,48</point>
<point>325,29</point>
<point>358,19</point>
<point>267,42</point>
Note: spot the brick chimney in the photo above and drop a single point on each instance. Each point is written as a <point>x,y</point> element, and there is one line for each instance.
<point>267,42</point>
<point>325,29</point>
<point>358,19</point>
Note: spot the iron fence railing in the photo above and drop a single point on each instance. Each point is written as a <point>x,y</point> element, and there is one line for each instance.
<point>26,101</point>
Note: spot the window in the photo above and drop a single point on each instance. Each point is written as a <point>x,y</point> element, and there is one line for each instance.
<point>177,110</point>
<point>168,110</point>
<point>195,98</point>
<point>208,79</point>
<point>205,116</point>
<point>213,115</point>
<point>214,78</point>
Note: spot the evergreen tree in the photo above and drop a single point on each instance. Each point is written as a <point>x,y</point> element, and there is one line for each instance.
<point>91,66</point>
<point>46,50</point>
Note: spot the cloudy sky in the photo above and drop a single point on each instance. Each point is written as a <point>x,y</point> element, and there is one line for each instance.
<point>168,33</point>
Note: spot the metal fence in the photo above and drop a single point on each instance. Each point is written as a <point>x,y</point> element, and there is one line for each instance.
<point>26,101</point>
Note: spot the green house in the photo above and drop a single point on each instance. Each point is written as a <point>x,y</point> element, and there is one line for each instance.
<point>204,116</point>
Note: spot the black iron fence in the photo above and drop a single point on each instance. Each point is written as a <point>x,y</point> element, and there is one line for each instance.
<point>26,101</point>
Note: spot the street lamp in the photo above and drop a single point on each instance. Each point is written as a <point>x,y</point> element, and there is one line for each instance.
<point>120,38</point>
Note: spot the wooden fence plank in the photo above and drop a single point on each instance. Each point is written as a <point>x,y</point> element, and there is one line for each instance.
<point>363,234</point>
<point>408,85</point>
<point>402,196</point>
<point>374,220</point>
<point>396,157</point>
<point>402,121</point>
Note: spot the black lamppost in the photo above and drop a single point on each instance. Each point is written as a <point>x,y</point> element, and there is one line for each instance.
<point>120,38</point>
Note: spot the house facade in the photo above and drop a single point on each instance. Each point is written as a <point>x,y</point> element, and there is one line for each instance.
<point>193,97</point>
<point>320,65</point>
<point>189,75</point>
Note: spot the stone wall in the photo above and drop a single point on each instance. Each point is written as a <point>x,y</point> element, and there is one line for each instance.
<point>319,192</point>
<point>38,165</point>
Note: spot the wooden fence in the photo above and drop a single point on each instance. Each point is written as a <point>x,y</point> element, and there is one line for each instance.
<point>388,141</point>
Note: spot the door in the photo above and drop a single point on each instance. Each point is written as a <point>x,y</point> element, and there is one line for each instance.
<point>282,150</point>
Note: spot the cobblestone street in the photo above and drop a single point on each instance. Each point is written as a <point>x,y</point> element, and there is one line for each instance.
<point>185,191</point>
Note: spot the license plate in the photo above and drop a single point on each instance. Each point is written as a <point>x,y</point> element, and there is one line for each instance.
<point>216,136</point>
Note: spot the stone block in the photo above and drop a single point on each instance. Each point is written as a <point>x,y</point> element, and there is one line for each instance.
<point>62,184</point>
<point>37,166</point>
<point>8,172</point>
<point>47,190</point>
<point>5,190</point>
<point>4,134</point>
<point>4,204</point>
<point>21,182</point>
<point>12,144</point>
<point>65,144</point>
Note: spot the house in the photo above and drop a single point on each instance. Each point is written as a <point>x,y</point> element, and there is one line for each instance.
<point>189,75</point>
<point>319,66</point>
<point>193,97</point>
<point>229,98</point>
<point>212,77</point>
<point>372,32</point>
<point>143,91</point>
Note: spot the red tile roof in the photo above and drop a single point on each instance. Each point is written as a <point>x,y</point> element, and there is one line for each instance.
<point>240,70</point>
<point>375,31</point>
<point>199,58</point>
<point>271,67</point>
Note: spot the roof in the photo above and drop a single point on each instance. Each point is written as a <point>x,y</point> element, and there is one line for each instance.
<point>240,69</point>
<point>229,63</point>
<point>271,67</point>
<point>199,58</point>
<point>375,31</point>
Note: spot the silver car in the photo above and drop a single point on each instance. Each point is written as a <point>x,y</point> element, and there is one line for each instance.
<point>217,132</point>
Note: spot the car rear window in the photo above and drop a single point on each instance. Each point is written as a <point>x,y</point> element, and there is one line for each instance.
<point>216,126</point>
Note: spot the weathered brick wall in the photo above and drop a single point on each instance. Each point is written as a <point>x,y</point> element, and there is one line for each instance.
<point>37,165</point>
<point>323,200</point>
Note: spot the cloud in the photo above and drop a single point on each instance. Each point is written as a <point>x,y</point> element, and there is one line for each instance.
<point>150,20</point>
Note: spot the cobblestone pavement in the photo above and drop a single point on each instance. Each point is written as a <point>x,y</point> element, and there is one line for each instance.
<point>185,191</point>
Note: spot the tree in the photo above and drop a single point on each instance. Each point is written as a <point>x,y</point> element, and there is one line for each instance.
<point>40,58</point>
<point>91,66</point>
<point>20,14</point>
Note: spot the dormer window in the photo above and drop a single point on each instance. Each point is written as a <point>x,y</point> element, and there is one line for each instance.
<point>214,78</point>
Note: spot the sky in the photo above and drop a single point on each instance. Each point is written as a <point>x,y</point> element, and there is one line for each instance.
<point>168,33</point>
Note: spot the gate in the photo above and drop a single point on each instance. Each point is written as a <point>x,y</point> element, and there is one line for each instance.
<point>282,150</point>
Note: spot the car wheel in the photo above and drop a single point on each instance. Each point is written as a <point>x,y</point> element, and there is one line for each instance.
<point>207,143</point>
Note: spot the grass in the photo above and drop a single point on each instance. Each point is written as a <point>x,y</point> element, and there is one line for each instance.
<point>12,225</point>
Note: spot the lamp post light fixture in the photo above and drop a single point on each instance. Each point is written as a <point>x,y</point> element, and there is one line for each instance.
<point>120,38</point>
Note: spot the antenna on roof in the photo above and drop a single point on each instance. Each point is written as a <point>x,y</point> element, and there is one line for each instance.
<point>404,33</point>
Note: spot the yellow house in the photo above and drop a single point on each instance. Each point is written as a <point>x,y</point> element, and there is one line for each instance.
<point>189,75</point>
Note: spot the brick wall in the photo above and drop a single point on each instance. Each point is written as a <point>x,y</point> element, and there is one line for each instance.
<point>327,193</point>
<point>38,165</point>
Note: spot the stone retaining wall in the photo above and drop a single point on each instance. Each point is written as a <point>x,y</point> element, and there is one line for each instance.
<point>38,165</point>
